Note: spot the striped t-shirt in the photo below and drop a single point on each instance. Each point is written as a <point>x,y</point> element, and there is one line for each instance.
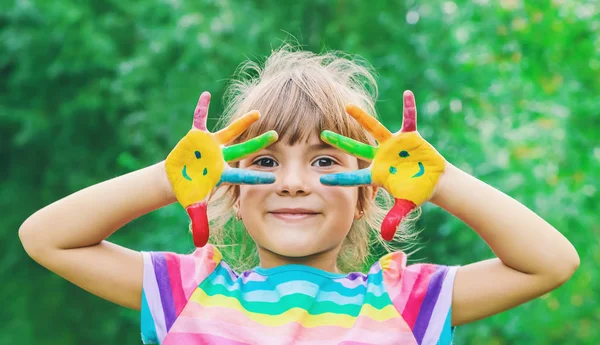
<point>198,299</point>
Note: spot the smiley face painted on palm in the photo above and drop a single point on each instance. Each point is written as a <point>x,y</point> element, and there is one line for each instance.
<point>197,167</point>
<point>408,167</point>
<point>404,163</point>
<point>198,164</point>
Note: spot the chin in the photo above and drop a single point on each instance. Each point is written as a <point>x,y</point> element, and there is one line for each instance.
<point>294,245</point>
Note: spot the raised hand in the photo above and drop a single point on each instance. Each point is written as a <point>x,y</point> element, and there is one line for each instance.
<point>404,163</point>
<point>198,164</point>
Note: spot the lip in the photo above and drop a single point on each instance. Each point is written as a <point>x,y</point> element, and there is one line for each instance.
<point>293,214</point>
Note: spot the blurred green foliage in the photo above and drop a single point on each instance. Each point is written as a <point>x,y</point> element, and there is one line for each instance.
<point>505,90</point>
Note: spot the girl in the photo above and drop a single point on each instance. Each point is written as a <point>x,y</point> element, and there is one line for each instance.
<point>311,210</point>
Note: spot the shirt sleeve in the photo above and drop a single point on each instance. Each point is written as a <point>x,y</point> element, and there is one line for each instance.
<point>169,281</point>
<point>422,294</point>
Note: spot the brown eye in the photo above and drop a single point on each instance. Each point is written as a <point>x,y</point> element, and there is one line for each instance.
<point>324,162</point>
<point>265,162</point>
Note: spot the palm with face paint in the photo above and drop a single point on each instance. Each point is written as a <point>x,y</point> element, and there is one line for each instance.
<point>198,164</point>
<point>404,163</point>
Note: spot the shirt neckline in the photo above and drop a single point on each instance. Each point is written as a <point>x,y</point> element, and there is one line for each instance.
<point>297,267</point>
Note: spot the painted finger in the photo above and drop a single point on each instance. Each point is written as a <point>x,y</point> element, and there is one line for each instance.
<point>242,176</point>
<point>239,151</point>
<point>229,133</point>
<point>394,217</point>
<point>409,113</point>
<point>351,146</point>
<point>199,218</point>
<point>201,111</point>
<point>351,178</point>
<point>379,132</point>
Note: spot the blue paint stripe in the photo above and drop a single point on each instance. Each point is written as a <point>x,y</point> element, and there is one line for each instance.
<point>353,178</point>
<point>241,176</point>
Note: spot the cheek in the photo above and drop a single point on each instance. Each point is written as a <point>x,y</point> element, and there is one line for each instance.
<point>251,196</point>
<point>343,198</point>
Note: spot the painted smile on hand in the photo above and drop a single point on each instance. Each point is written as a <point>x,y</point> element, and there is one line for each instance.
<point>393,163</point>
<point>184,171</point>
<point>405,154</point>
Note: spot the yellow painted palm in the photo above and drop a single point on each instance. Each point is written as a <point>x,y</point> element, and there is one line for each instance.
<point>406,165</point>
<point>198,164</point>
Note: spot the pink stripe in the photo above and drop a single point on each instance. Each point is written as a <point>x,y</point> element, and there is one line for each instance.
<point>173,267</point>
<point>397,283</point>
<point>196,318</point>
<point>194,339</point>
<point>419,290</point>
<point>197,267</point>
<point>187,266</point>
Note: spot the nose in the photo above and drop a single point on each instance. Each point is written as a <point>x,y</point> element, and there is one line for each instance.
<point>292,181</point>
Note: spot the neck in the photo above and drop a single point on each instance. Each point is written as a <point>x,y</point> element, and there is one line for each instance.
<point>326,260</point>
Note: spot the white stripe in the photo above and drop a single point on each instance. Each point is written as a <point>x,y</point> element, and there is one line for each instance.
<point>440,310</point>
<point>153,297</point>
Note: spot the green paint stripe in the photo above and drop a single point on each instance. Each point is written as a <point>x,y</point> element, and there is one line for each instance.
<point>239,151</point>
<point>351,146</point>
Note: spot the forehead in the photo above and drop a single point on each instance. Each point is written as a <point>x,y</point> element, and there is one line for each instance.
<point>311,141</point>
<point>299,114</point>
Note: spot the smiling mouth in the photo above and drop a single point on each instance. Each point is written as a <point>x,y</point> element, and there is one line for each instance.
<point>293,214</point>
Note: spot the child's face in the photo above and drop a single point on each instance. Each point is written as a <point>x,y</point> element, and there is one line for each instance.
<point>297,216</point>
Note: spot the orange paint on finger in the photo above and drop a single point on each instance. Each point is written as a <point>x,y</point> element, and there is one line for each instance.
<point>234,130</point>
<point>379,132</point>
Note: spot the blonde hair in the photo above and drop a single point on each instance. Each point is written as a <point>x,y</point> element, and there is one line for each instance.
<point>298,93</point>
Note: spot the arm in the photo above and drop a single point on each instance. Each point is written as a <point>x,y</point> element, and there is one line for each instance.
<point>68,236</point>
<point>533,257</point>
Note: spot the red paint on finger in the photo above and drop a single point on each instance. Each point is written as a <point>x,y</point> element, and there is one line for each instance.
<point>199,217</point>
<point>409,116</point>
<point>201,111</point>
<point>389,225</point>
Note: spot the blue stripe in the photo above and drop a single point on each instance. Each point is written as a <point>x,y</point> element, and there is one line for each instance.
<point>149,335</point>
<point>447,331</point>
<point>221,276</point>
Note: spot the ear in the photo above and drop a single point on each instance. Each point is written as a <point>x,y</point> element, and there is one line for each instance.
<point>359,210</point>
<point>374,193</point>
<point>358,213</point>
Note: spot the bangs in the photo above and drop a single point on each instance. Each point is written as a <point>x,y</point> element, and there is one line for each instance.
<point>296,107</point>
